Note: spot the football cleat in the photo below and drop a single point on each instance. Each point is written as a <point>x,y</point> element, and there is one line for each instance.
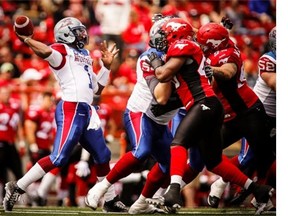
<point>13,193</point>
<point>217,189</point>
<point>262,194</point>
<point>114,205</point>
<point>94,195</point>
<point>269,206</point>
<point>172,198</point>
<point>144,208</point>
<point>239,197</point>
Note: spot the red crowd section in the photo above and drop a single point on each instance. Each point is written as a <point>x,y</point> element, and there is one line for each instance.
<point>27,73</point>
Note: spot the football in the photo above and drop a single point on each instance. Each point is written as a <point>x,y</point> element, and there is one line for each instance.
<point>23,26</point>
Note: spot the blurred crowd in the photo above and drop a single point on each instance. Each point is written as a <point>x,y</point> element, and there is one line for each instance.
<point>127,23</point>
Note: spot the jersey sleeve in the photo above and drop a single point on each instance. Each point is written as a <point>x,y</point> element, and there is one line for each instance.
<point>57,58</point>
<point>266,64</point>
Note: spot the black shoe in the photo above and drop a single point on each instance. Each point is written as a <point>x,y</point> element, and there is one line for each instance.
<point>240,197</point>
<point>262,195</point>
<point>172,198</point>
<point>13,193</point>
<point>213,201</point>
<point>40,201</point>
<point>115,205</point>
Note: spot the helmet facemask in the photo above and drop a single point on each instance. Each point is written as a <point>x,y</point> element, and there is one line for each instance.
<point>157,36</point>
<point>81,36</point>
<point>159,41</point>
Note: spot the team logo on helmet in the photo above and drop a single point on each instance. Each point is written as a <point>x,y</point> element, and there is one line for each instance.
<point>180,46</point>
<point>215,43</point>
<point>175,26</point>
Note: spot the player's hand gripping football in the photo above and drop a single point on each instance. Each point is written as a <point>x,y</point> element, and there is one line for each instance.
<point>22,37</point>
<point>108,54</point>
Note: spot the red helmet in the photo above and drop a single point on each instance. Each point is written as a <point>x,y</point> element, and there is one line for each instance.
<point>172,30</point>
<point>212,37</point>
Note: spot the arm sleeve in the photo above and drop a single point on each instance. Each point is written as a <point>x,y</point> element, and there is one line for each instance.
<point>56,59</point>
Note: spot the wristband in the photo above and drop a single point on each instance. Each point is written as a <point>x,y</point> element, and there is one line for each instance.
<point>103,76</point>
<point>26,39</point>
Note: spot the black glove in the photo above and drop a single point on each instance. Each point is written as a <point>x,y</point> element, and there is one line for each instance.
<point>227,23</point>
<point>208,71</point>
<point>154,60</point>
<point>157,17</point>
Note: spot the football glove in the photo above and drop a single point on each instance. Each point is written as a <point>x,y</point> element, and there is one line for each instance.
<point>154,60</point>
<point>82,169</point>
<point>208,71</point>
<point>227,23</point>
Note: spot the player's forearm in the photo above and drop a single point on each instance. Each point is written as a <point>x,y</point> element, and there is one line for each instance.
<point>39,48</point>
<point>162,92</point>
<point>224,72</point>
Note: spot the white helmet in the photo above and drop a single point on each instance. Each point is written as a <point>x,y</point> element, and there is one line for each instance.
<point>154,31</point>
<point>272,39</point>
<point>69,30</point>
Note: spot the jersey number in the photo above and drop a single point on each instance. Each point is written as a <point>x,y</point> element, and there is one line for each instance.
<point>86,68</point>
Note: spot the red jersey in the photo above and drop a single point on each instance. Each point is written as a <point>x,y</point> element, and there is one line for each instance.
<point>235,94</point>
<point>191,83</point>
<point>45,126</point>
<point>9,120</point>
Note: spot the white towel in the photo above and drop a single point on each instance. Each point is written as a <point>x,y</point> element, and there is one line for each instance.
<point>95,122</point>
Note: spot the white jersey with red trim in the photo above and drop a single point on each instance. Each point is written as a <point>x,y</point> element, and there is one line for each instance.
<point>267,64</point>
<point>74,73</point>
<point>141,98</point>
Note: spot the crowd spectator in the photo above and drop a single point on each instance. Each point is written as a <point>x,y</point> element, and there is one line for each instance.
<point>113,16</point>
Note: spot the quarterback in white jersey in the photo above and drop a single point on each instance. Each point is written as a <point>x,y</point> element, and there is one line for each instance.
<point>77,121</point>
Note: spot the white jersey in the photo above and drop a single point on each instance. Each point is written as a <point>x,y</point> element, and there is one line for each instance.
<point>74,73</point>
<point>266,63</point>
<point>141,98</point>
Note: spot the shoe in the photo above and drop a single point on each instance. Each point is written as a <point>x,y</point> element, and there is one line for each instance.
<point>239,197</point>
<point>172,198</point>
<point>268,207</point>
<point>144,208</point>
<point>216,191</point>
<point>40,201</point>
<point>159,202</point>
<point>114,205</point>
<point>170,210</point>
<point>13,193</point>
<point>94,195</point>
<point>262,194</point>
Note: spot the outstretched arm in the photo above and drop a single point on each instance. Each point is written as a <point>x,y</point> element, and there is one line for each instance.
<point>39,48</point>
<point>108,55</point>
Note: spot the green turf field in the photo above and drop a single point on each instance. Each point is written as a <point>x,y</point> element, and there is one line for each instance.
<point>60,211</point>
